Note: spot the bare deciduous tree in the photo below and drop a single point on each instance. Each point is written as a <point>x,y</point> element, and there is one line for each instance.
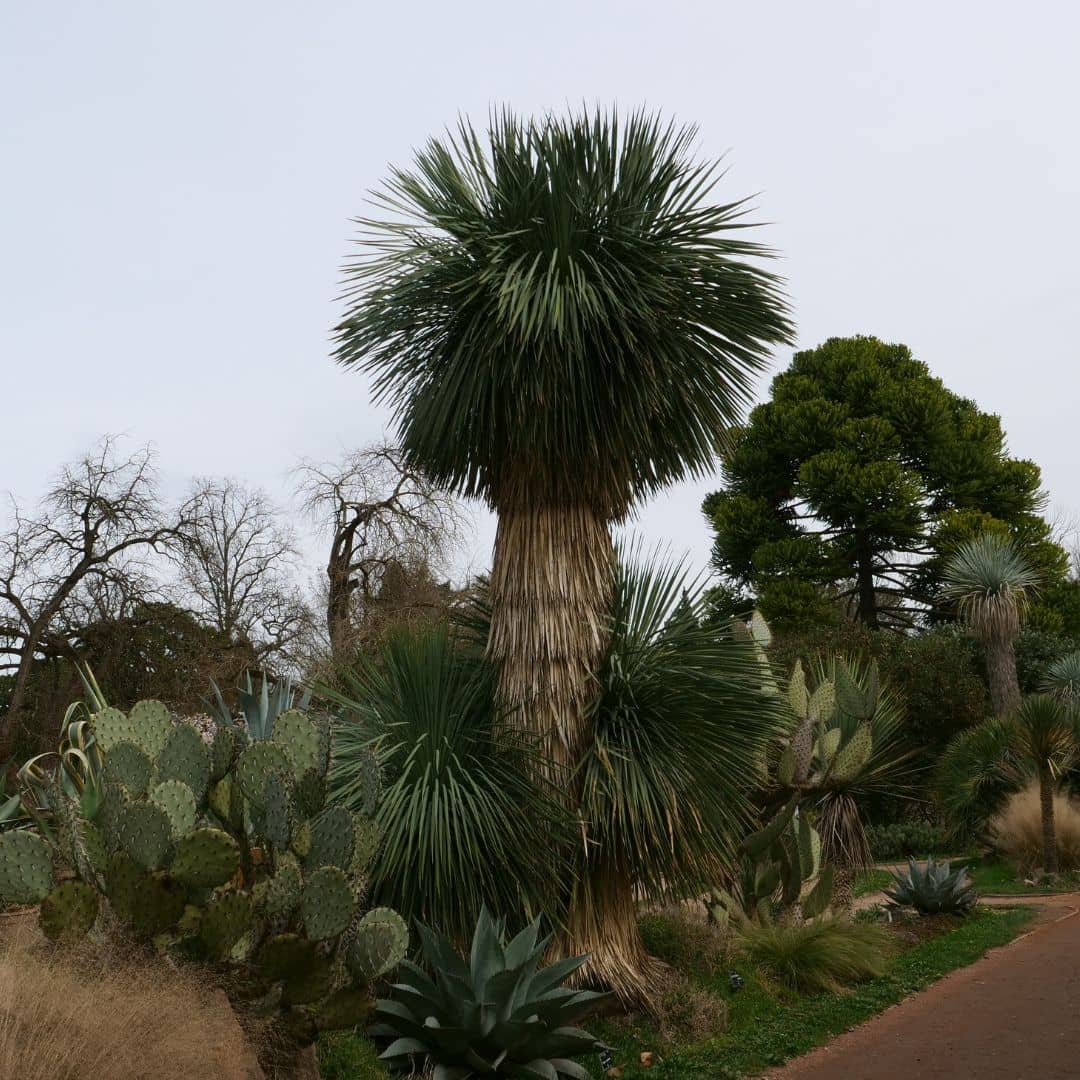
<point>237,561</point>
<point>380,515</point>
<point>82,544</point>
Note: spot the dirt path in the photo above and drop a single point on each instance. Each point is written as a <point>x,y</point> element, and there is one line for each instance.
<point>1009,1016</point>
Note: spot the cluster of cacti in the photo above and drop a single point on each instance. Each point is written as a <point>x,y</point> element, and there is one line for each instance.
<point>496,1013</point>
<point>779,861</point>
<point>223,853</point>
<point>933,889</point>
<point>833,738</point>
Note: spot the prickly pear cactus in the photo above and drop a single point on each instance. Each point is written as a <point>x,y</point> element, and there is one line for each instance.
<point>224,854</point>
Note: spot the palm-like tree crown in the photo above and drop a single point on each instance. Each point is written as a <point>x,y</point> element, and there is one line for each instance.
<point>991,580</point>
<point>557,312</point>
<point>1062,679</point>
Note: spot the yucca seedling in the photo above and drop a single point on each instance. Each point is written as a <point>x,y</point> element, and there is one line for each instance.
<point>933,889</point>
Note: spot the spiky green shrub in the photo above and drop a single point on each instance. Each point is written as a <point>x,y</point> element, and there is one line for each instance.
<point>824,954</point>
<point>496,1014</point>
<point>466,820</point>
<point>224,854</point>
<point>905,838</point>
<point>933,888</point>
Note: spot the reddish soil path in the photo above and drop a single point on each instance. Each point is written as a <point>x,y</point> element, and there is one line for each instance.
<point>1009,1016</point>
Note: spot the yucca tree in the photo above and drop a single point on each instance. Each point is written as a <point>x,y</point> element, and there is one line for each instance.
<point>1062,680</point>
<point>680,730</point>
<point>564,322</point>
<point>992,582</point>
<point>465,818</point>
<point>1001,754</point>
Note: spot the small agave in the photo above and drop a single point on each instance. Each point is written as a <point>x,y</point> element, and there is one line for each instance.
<point>497,1013</point>
<point>933,889</point>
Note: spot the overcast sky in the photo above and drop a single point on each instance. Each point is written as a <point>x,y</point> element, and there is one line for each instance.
<point>177,182</point>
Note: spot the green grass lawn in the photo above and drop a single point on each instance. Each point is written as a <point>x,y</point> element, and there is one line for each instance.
<point>765,1028</point>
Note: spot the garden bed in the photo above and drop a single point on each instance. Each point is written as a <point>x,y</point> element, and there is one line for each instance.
<point>766,1026</point>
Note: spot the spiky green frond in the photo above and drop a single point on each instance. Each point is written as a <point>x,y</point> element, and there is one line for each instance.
<point>681,728</point>
<point>1062,679</point>
<point>557,309</point>
<point>991,581</point>
<point>464,820</point>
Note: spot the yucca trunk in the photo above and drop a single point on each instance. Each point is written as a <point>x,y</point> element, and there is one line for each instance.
<point>1001,674</point>
<point>603,922</point>
<point>551,586</point>
<point>1046,807</point>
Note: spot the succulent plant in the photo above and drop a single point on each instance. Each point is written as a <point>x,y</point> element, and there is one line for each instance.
<point>933,889</point>
<point>497,1014</point>
<point>261,707</point>
<point>222,854</point>
<point>779,860</point>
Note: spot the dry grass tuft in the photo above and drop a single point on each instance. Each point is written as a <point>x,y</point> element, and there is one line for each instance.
<point>681,936</point>
<point>687,1010</point>
<point>1016,830</point>
<point>91,1014</point>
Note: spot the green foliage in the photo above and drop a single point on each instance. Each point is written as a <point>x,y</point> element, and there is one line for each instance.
<point>465,821</point>
<point>905,838</point>
<point>1036,652</point>
<point>575,261</point>
<point>202,877</point>
<point>260,707</point>
<point>680,730</point>
<point>684,940</point>
<point>497,1014</point>
<point>851,474</point>
<point>933,889</point>
<point>822,955</point>
<point>1062,679</point>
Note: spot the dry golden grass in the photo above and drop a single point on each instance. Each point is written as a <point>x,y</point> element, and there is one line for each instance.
<point>112,1015</point>
<point>1016,830</point>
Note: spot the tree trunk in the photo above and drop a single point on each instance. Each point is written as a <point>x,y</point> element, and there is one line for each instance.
<point>1046,806</point>
<point>843,894</point>
<point>868,614</point>
<point>338,623</point>
<point>14,721</point>
<point>551,589</point>
<point>1001,674</point>
<point>603,923</point>
<point>551,584</point>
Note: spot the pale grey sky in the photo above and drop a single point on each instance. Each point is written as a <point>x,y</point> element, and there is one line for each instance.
<point>176,184</point>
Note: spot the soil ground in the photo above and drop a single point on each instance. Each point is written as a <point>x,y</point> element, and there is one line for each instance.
<point>1009,1016</point>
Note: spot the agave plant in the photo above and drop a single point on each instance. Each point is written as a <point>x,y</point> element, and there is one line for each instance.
<point>497,1014</point>
<point>260,707</point>
<point>933,889</point>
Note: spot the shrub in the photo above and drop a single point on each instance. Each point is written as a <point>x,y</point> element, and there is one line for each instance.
<point>687,1011</point>
<point>933,889</point>
<point>822,955</point>
<point>684,939</point>
<point>1016,830</point>
<point>123,1018</point>
<point>906,838</point>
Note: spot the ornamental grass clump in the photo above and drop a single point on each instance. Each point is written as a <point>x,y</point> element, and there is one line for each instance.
<point>1016,830</point>
<point>823,955</point>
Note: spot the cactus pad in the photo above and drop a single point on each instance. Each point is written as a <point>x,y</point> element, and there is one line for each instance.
<point>366,838</point>
<point>26,869</point>
<point>146,834</point>
<point>332,839</point>
<point>69,911</point>
<point>345,1008</point>
<point>223,750</point>
<point>854,754</point>
<point>111,726</point>
<point>379,944</point>
<point>299,738</point>
<point>797,696</point>
<point>310,793</point>
<point>277,809</point>
<point>252,765</point>
<point>128,766</point>
<point>370,779</point>
<point>150,902</point>
<point>151,726</point>
<point>287,956</point>
<point>311,986</point>
<point>178,802</point>
<point>185,758</point>
<point>206,858</point>
<point>328,903</point>
<point>224,923</point>
<point>822,703</point>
